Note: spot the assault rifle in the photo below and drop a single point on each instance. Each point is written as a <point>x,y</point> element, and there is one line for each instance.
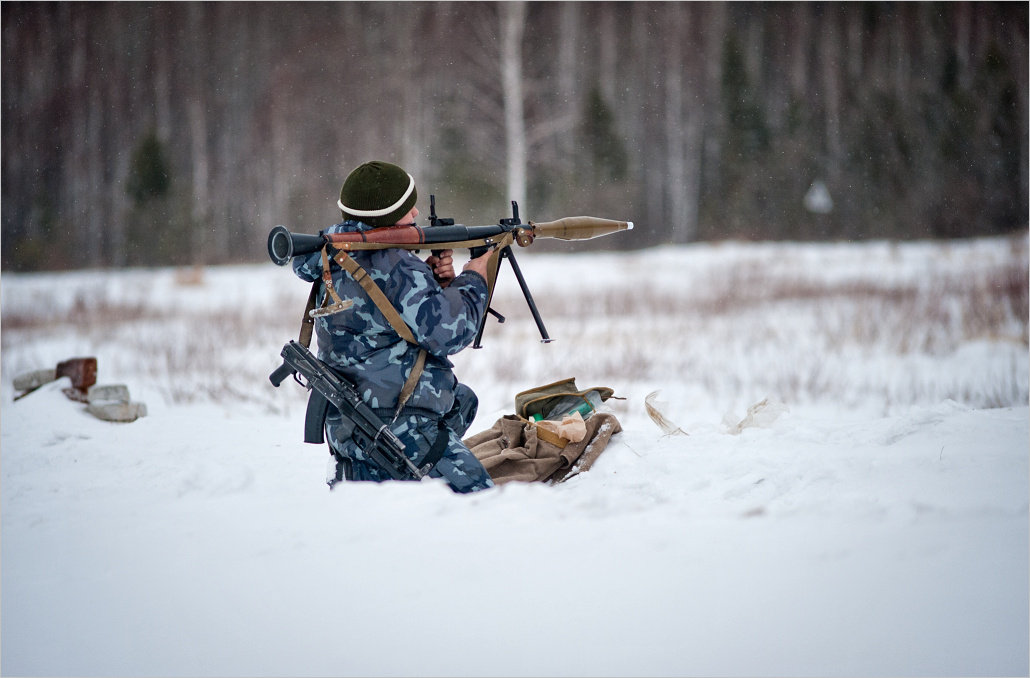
<point>368,430</point>
<point>445,234</point>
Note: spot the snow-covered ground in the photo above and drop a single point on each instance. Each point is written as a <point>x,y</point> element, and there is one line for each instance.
<point>880,526</point>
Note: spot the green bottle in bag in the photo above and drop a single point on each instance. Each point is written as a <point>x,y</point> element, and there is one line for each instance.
<point>585,405</point>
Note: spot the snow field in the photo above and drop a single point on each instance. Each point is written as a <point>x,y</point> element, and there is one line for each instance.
<point>880,526</point>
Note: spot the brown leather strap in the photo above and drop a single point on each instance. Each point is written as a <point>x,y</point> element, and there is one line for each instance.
<point>327,278</point>
<point>412,381</point>
<point>307,323</point>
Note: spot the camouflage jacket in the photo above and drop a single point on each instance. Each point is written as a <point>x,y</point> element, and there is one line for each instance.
<point>361,343</point>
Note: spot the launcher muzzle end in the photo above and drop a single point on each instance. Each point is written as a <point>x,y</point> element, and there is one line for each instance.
<point>283,245</point>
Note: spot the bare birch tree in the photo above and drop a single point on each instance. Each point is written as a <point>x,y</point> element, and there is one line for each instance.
<point>513,25</point>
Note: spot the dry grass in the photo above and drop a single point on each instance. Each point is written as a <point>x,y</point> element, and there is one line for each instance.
<point>754,328</point>
<point>910,317</point>
<point>748,330</point>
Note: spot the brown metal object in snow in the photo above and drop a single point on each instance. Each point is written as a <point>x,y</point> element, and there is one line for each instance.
<point>83,374</point>
<point>81,371</point>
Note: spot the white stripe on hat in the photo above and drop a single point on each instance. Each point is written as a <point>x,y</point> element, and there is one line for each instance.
<point>382,212</point>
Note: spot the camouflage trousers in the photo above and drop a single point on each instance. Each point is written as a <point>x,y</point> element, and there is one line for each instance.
<point>458,466</point>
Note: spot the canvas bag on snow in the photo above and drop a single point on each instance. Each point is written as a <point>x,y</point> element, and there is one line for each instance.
<point>516,449</point>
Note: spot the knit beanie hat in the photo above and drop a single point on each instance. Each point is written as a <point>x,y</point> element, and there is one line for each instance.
<point>378,194</point>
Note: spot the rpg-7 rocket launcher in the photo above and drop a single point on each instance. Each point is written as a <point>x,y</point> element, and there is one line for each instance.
<point>445,234</point>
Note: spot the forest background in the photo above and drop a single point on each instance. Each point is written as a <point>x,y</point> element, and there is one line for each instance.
<point>180,133</point>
